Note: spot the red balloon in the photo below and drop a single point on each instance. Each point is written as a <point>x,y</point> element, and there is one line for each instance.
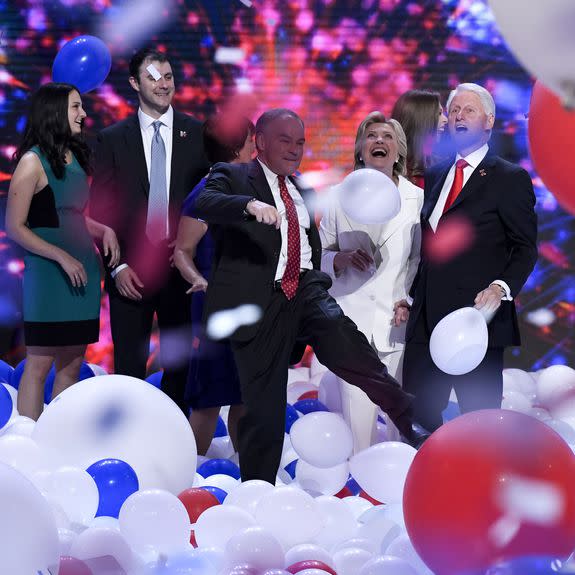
<point>551,140</point>
<point>310,564</point>
<point>196,501</point>
<point>312,394</point>
<point>369,498</point>
<point>72,566</point>
<point>452,500</point>
<point>345,492</point>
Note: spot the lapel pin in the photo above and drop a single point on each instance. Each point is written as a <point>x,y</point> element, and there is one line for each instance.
<point>183,134</point>
<point>482,173</point>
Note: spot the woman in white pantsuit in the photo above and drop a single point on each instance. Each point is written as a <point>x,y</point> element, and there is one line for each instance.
<point>373,265</point>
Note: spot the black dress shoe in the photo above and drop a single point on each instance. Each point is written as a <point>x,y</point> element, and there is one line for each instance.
<point>416,435</point>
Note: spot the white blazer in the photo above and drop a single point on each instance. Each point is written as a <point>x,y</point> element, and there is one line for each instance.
<point>368,297</point>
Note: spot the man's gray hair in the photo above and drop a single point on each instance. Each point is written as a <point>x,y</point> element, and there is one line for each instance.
<point>486,98</point>
<point>273,114</point>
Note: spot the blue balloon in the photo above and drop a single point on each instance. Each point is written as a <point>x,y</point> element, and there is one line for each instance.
<point>6,405</point>
<point>530,565</point>
<point>290,468</point>
<point>219,493</point>
<point>216,466</point>
<point>5,371</point>
<point>84,62</point>
<point>353,485</point>
<point>155,379</point>
<point>291,416</point>
<point>116,481</point>
<point>85,373</point>
<point>221,430</point>
<point>306,406</point>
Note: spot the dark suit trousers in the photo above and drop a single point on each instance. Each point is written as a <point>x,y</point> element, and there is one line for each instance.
<point>313,317</point>
<point>131,323</point>
<point>481,388</point>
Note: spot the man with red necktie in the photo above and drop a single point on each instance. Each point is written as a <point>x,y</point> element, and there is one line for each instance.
<point>277,267</point>
<point>496,198</point>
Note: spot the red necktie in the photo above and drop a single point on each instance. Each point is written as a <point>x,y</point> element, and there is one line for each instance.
<point>290,279</point>
<point>457,183</point>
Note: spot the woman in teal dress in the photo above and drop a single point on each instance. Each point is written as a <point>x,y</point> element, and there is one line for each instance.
<point>45,215</point>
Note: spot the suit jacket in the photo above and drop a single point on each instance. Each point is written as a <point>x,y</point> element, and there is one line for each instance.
<point>368,297</point>
<point>499,203</point>
<point>120,187</point>
<point>246,252</point>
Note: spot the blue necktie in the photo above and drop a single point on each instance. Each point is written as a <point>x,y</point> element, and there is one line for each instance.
<point>157,220</point>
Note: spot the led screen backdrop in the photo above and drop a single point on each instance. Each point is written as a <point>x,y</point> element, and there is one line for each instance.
<point>333,61</point>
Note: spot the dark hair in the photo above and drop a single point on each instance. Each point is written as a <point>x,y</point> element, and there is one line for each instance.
<point>48,127</point>
<point>225,136</point>
<point>417,112</point>
<point>273,114</point>
<point>141,56</point>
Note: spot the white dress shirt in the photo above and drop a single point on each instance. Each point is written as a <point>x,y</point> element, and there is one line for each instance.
<point>303,217</point>
<point>473,160</point>
<point>147,129</point>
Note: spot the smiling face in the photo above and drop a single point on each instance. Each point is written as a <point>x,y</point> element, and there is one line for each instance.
<point>379,148</point>
<point>155,95</point>
<point>76,113</point>
<point>280,145</point>
<point>469,125</point>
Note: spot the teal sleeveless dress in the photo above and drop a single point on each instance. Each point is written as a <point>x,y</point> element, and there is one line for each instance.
<point>55,312</point>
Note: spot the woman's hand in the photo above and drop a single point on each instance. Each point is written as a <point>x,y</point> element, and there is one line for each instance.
<point>400,312</point>
<point>74,270</point>
<point>111,247</point>
<point>197,283</point>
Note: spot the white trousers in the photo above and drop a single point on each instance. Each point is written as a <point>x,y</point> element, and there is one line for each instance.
<point>361,414</point>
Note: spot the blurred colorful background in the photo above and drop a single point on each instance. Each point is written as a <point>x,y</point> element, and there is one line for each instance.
<point>333,61</point>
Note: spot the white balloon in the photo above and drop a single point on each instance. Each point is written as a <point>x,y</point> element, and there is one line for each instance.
<point>519,380</point>
<point>563,428</point>
<point>377,526</point>
<point>218,524</point>
<point>329,392</point>
<point>516,401</point>
<point>290,514</point>
<point>28,532</point>
<point>540,413</point>
<point>116,416</point>
<point>349,561</point>
<point>381,470</point>
<point>247,495</point>
<point>220,448</point>
<point>256,547</point>
<point>387,565</point>
<point>358,543</point>
<point>358,505</point>
<point>322,439</point>
<point>105,521</point>
<point>97,369</point>
<point>155,519</point>
<point>327,481</point>
<point>296,389</point>
<point>316,367</point>
<point>369,197</point>
<point>66,538</point>
<point>403,548</point>
<point>308,552</point>
<point>74,489</point>
<point>97,542</point>
<point>543,42</point>
<point>24,454</point>
<point>224,323</point>
<point>459,341</point>
<point>221,480</point>
<point>339,522</point>
<point>298,374</point>
<point>553,385</point>
<point>19,425</point>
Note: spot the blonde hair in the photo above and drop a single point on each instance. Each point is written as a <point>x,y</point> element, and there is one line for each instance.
<point>399,167</point>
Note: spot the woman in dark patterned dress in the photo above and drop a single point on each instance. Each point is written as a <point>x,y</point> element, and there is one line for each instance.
<point>45,215</point>
<point>213,380</point>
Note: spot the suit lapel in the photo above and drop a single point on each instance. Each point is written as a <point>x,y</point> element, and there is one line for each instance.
<point>135,145</point>
<point>479,177</point>
<point>432,196</point>
<point>393,225</point>
<point>179,135</point>
<point>260,184</point>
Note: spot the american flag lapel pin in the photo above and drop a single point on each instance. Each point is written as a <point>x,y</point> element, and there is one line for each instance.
<point>183,134</point>
<point>482,173</point>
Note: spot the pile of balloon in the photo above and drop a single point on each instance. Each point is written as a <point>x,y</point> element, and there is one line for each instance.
<point>108,481</point>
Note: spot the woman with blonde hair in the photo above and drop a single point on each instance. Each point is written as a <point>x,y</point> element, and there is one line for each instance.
<point>373,265</point>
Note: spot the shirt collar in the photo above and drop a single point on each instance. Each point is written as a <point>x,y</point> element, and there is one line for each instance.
<point>475,158</point>
<point>146,121</point>
<point>270,176</point>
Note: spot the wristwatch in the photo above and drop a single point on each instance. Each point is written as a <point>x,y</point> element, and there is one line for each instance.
<point>246,213</point>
